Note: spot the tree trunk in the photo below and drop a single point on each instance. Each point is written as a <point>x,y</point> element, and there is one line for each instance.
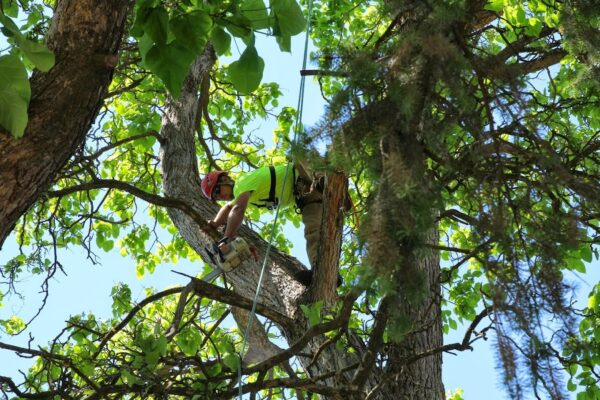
<point>85,36</point>
<point>421,379</point>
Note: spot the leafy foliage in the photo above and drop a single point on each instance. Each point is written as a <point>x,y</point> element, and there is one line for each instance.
<point>469,131</point>
<point>14,85</point>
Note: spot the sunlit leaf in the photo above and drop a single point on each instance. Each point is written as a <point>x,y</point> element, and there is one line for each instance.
<point>14,95</point>
<point>246,73</point>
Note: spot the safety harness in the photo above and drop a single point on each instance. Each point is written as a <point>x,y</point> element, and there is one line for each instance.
<point>271,202</point>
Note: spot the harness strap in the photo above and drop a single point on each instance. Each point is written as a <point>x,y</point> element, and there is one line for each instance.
<point>271,201</point>
<point>273,183</point>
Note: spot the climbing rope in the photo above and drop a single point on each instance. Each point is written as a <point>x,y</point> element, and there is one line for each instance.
<point>297,126</point>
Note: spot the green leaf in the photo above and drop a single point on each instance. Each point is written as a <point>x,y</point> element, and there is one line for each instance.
<point>585,251</point>
<point>38,54</point>
<point>161,345</point>
<point>246,73</point>
<point>452,323</point>
<point>534,27</point>
<point>285,43</point>
<point>128,378</point>
<point>10,26</point>
<point>521,16</point>
<point>256,12</point>
<point>312,312</point>
<point>494,5</point>
<point>221,40</point>
<point>156,24</point>
<point>145,43</point>
<point>239,26</point>
<point>189,340</point>
<point>13,325</point>
<point>10,8</point>
<point>232,361</point>
<point>576,264</point>
<point>14,95</point>
<point>289,15</point>
<point>170,62</point>
<point>192,29</point>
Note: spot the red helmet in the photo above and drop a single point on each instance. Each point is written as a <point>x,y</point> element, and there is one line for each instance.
<point>210,181</point>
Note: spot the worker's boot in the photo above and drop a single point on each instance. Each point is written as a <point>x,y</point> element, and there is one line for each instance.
<point>304,276</point>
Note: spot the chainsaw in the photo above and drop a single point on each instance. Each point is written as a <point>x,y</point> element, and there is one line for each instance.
<point>238,251</point>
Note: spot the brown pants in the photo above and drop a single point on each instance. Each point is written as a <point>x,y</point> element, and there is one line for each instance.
<point>311,205</point>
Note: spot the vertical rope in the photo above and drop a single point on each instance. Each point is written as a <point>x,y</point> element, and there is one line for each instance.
<point>297,126</point>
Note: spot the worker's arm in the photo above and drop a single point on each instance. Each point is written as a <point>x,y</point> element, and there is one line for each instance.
<point>236,215</point>
<point>222,216</point>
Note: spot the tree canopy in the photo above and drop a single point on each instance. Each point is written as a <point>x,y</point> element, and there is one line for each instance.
<point>468,132</point>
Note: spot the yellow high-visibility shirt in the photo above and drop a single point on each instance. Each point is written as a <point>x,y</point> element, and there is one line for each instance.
<point>259,183</point>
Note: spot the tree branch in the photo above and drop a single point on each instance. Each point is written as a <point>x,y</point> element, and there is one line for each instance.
<point>148,197</point>
<point>375,342</point>
<point>315,330</point>
<point>233,299</point>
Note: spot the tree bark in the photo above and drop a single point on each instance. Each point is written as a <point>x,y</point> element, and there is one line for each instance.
<point>421,379</point>
<point>85,36</point>
<point>325,274</point>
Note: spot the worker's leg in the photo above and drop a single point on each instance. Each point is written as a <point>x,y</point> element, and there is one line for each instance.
<point>312,215</point>
<point>310,203</point>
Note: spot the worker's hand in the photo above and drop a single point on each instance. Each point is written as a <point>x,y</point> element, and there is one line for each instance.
<point>224,248</point>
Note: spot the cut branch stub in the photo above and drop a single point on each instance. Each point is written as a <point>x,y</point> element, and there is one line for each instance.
<point>325,274</point>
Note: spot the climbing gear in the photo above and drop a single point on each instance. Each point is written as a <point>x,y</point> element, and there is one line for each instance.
<point>308,192</point>
<point>238,252</point>
<point>209,182</point>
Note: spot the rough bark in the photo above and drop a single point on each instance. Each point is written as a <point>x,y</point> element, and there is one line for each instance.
<point>325,275</point>
<point>85,36</point>
<point>421,379</point>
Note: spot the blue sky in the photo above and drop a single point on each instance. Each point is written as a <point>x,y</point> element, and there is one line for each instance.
<point>86,287</point>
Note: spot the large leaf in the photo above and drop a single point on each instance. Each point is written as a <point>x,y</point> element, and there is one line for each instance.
<point>290,17</point>
<point>192,29</point>
<point>156,24</point>
<point>284,41</point>
<point>221,40</point>
<point>170,62</point>
<point>256,12</point>
<point>246,73</point>
<point>239,26</point>
<point>38,54</point>
<point>10,8</point>
<point>9,26</point>
<point>14,95</point>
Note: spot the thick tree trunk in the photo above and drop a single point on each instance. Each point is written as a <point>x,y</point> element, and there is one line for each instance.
<point>415,310</point>
<point>421,379</point>
<point>85,37</point>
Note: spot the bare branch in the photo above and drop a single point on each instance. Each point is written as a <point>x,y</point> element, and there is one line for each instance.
<point>233,299</point>
<point>149,197</point>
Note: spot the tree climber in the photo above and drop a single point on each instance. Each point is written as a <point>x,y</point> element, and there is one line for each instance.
<point>260,188</point>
